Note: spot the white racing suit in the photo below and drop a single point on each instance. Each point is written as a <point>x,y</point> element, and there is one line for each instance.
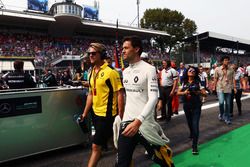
<point>140,83</point>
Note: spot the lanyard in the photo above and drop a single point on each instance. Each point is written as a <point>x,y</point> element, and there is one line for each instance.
<point>95,77</point>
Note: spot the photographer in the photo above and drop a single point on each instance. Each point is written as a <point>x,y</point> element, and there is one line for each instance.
<point>191,90</point>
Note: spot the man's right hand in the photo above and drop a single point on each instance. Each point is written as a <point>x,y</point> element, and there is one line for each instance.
<point>83,116</point>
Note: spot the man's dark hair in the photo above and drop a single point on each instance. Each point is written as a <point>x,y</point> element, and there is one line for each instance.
<point>224,57</point>
<point>168,63</point>
<point>135,42</point>
<point>18,65</point>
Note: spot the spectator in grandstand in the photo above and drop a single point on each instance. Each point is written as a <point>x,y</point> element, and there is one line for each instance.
<point>138,124</point>
<point>19,79</point>
<point>168,84</point>
<point>105,96</point>
<point>49,78</point>
<point>224,83</point>
<point>204,80</point>
<point>58,76</point>
<point>66,78</point>
<point>240,85</point>
<point>181,71</point>
<point>78,77</point>
<point>191,90</point>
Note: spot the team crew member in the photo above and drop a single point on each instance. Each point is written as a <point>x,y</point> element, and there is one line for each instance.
<point>105,94</point>
<point>168,82</point>
<point>138,123</point>
<point>19,79</point>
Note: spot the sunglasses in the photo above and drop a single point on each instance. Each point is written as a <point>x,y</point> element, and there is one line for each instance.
<point>191,70</point>
<point>92,53</point>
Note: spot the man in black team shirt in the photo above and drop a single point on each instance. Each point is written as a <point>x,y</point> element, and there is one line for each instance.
<point>19,79</point>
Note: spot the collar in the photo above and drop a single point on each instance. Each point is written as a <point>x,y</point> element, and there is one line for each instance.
<point>135,64</point>
<point>224,68</point>
<point>103,66</point>
<point>168,68</point>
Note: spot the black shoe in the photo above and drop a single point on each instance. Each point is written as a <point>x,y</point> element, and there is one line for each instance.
<point>239,113</point>
<point>195,151</point>
<point>168,119</point>
<point>176,112</point>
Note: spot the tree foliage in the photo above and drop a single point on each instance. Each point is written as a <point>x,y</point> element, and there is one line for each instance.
<point>170,21</point>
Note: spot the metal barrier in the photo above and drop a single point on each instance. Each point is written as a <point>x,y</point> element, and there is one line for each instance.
<point>33,121</point>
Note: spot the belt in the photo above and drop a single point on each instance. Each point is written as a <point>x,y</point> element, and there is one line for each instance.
<point>167,86</point>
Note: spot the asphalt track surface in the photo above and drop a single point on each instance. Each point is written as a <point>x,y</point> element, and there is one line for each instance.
<point>176,130</point>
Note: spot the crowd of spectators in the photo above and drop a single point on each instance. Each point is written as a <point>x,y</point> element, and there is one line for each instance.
<point>206,57</point>
<point>46,48</point>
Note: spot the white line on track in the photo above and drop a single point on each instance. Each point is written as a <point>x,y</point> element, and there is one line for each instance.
<point>207,106</point>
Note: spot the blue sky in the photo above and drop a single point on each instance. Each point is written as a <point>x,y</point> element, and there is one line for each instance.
<point>227,17</point>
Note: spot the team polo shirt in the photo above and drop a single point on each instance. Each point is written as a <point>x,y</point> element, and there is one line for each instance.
<point>167,77</point>
<point>104,86</point>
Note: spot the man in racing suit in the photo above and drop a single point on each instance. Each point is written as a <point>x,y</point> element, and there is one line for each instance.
<point>138,124</point>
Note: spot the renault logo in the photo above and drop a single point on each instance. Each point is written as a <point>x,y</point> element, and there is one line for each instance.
<point>136,79</point>
<point>5,108</point>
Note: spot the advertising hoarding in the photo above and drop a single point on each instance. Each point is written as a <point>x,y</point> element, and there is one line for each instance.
<point>38,5</point>
<point>90,13</point>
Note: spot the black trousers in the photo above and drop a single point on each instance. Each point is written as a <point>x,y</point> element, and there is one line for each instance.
<point>237,97</point>
<point>166,100</point>
<point>193,114</point>
<point>126,147</point>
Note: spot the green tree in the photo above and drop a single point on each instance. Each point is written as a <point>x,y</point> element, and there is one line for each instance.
<point>170,21</point>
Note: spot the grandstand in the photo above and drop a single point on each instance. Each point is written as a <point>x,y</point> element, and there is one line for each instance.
<point>60,36</point>
<point>214,45</point>
<point>61,33</point>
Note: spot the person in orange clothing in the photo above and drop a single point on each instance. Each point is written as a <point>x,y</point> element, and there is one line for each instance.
<point>175,100</point>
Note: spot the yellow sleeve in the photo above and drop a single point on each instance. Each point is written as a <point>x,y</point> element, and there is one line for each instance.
<point>115,80</point>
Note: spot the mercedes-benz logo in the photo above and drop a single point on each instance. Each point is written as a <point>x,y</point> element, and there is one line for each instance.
<point>5,108</point>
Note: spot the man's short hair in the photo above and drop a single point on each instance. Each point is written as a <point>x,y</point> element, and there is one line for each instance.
<point>224,57</point>
<point>135,42</point>
<point>168,63</point>
<point>18,65</point>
